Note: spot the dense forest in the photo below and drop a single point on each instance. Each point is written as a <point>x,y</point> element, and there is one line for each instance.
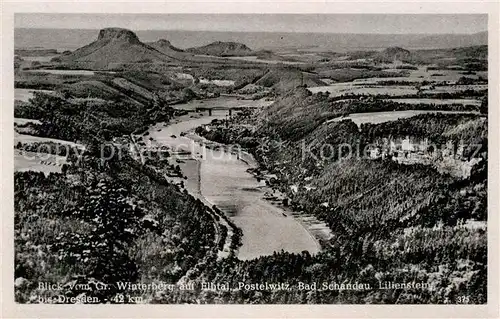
<point>119,220</point>
<point>391,222</point>
<point>101,222</point>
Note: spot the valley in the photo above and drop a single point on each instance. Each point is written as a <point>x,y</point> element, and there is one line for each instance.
<point>227,162</point>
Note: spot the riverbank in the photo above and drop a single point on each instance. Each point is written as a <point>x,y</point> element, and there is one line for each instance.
<point>163,134</point>
<point>223,181</point>
<point>318,229</point>
<point>259,205</point>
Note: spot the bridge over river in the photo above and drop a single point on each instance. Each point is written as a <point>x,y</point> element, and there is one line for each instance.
<point>229,103</point>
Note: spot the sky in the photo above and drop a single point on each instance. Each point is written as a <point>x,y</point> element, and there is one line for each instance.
<point>328,23</point>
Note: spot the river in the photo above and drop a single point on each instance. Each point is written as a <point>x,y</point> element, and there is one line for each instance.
<point>224,181</point>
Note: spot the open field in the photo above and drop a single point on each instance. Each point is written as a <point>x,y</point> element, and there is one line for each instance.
<point>256,59</point>
<point>217,82</point>
<point>428,81</point>
<point>349,88</point>
<point>439,101</point>
<point>423,74</point>
<point>456,88</point>
<point>26,94</point>
<point>23,138</point>
<point>63,72</point>
<point>39,162</point>
<point>20,121</point>
<point>381,117</point>
<point>44,59</point>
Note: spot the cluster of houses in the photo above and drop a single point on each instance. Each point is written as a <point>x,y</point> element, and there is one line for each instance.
<point>448,158</point>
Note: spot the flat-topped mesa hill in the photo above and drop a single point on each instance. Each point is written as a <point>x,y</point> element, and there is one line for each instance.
<point>222,49</point>
<point>115,47</point>
<point>118,34</point>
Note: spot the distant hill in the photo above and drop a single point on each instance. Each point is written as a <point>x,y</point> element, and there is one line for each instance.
<point>165,47</point>
<point>115,47</point>
<point>450,40</point>
<point>475,52</point>
<point>64,39</point>
<point>222,49</point>
<point>442,57</point>
<point>268,55</point>
<point>286,79</point>
<point>473,57</point>
<point>472,52</point>
<point>392,54</point>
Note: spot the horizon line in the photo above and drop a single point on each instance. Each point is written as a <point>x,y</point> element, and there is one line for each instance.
<point>229,31</point>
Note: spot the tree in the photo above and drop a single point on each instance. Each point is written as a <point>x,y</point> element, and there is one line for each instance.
<point>484,105</point>
<point>115,221</point>
<point>64,168</point>
<point>188,94</point>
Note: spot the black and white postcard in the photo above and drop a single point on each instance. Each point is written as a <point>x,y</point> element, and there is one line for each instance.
<point>295,159</point>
